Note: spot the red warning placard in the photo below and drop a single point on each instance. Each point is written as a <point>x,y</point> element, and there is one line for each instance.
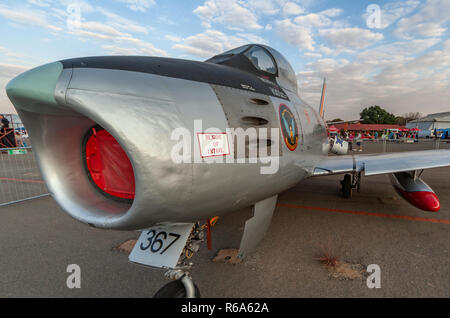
<point>213,144</point>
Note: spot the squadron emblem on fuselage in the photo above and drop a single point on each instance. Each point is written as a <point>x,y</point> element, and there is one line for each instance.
<point>289,127</point>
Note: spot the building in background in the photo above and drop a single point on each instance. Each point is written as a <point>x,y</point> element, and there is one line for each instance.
<point>427,124</point>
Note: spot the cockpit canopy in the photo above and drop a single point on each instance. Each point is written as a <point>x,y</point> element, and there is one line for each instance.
<point>260,60</point>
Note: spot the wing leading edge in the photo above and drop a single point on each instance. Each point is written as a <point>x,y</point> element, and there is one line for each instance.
<point>375,164</point>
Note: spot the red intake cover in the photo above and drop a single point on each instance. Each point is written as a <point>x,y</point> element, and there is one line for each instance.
<point>109,166</point>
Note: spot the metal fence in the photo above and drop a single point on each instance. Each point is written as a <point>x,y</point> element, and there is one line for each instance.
<point>20,178</point>
<point>380,146</point>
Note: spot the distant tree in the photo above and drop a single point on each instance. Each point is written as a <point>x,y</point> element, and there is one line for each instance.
<point>412,116</point>
<point>376,115</point>
<point>400,120</point>
<point>335,120</point>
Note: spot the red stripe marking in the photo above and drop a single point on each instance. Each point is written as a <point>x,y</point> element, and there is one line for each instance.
<point>381,215</point>
<point>22,180</point>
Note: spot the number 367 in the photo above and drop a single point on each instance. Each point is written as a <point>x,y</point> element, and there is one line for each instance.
<point>156,241</point>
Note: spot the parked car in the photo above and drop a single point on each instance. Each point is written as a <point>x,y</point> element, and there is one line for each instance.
<point>367,136</point>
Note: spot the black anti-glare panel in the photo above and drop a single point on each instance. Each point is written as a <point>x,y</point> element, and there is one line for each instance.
<point>184,69</point>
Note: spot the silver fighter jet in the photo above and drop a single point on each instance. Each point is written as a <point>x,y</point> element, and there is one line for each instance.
<point>108,134</point>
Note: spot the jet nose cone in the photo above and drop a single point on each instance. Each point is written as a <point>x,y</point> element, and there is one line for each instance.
<point>35,86</point>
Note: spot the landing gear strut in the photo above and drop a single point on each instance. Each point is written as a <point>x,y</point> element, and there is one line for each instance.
<point>349,183</point>
<point>182,285</point>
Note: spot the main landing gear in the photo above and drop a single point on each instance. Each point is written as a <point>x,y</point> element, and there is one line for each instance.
<point>350,182</point>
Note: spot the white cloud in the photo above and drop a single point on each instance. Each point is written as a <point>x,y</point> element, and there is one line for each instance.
<point>212,42</point>
<point>401,77</point>
<point>429,21</point>
<point>138,5</point>
<point>393,11</point>
<point>7,73</point>
<point>312,55</point>
<point>6,52</point>
<point>292,8</point>
<point>174,38</point>
<point>267,7</point>
<point>93,29</point>
<point>41,3</point>
<point>139,48</point>
<point>118,42</point>
<point>251,38</point>
<point>295,34</point>
<point>350,39</point>
<point>116,21</point>
<point>84,6</point>
<point>332,12</point>
<point>300,31</point>
<point>27,16</point>
<point>229,13</point>
<point>397,52</point>
<point>327,51</point>
<point>165,20</point>
<point>318,20</point>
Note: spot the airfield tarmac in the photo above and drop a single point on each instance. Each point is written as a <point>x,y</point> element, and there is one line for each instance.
<point>38,241</point>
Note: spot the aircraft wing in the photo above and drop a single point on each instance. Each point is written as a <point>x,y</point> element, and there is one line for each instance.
<point>374,164</point>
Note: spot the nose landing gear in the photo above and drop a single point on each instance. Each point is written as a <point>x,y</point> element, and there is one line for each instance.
<point>182,285</point>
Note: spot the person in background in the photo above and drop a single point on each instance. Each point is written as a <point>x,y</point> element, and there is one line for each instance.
<point>25,138</point>
<point>350,141</point>
<point>4,121</point>
<point>376,136</point>
<point>19,141</point>
<point>359,141</point>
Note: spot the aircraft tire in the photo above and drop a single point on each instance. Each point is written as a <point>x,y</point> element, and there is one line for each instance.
<point>346,186</point>
<point>174,289</point>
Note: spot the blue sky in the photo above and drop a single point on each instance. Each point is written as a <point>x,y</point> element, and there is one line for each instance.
<point>397,57</point>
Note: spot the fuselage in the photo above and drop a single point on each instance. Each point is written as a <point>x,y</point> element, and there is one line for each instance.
<point>141,102</point>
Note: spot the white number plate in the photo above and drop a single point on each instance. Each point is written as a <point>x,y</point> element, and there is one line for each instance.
<point>161,245</point>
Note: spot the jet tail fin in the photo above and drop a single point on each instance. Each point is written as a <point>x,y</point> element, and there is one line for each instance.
<point>322,99</point>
